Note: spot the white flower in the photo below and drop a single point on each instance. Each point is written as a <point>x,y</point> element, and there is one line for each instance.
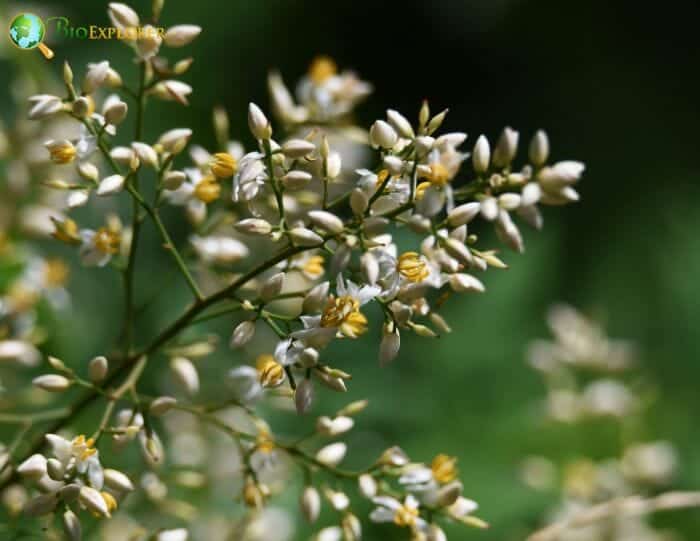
<point>404,514</point>
<point>250,178</point>
<point>244,381</point>
<point>80,452</point>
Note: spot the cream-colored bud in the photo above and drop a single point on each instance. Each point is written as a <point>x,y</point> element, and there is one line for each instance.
<point>309,358</point>
<point>352,529</point>
<point>448,494</point>
<point>435,533</point>
<point>174,141</point>
<point>71,526</point>
<point>110,185</point>
<point>53,383</point>
<point>122,16</point>
<point>161,405</point>
<point>242,334</point>
<point>353,408</point>
<point>148,42</point>
<point>334,427</point>
<point>257,122</point>
<point>422,330</point>
<point>186,374</point>
<point>489,208</point>
<point>297,148</point>
<point>146,153</point>
<point>272,287</point>
<point>463,214</point>
<point>93,501</point>
<point>367,485</point>
<point>310,504</point>
<point>506,147</point>
<point>332,454</point>
<point>400,124</point>
<point>481,155</point>
<point>358,201</point>
<point>181,34</point>
<point>88,171</point>
<point>539,148</point>
<point>439,321</point>
<point>70,492</point>
<point>509,201</point>
<point>316,297</point>
<point>81,107</point>
<point>301,236</point>
<point>389,347</point>
<point>116,113</point>
<point>55,469</point>
<point>394,456</point>
<point>181,66</point>
<point>531,194</point>
<point>97,369</point>
<point>436,122</point>
<point>67,73</point>
<point>295,180</point>
<point>57,364</point>
<point>118,481</point>
<point>369,267</point>
<point>424,144</point>
<point>77,198</point>
<point>33,468</point>
<point>334,165</point>
<point>253,226</point>
<point>327,221</point>
<point>462,283</point>
<point>394,165</point>
<point>95,76</point>
<point>332,382</point>
<point>509,232</point>
<point>304,396</point>
<point>459,251</point>
<point>382,135</point>
<point>172,180</point>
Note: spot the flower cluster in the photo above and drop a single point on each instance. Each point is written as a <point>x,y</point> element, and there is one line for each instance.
<point>589,378</point>
<point>294,237</point>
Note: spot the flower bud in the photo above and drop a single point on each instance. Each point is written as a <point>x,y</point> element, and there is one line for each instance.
<point>110,185</point>
<point>448,494</point>
<point>506,147</point>
<point>310,504</point>
<point>116,113</point>
<point>55,469</point>
<point>122,16</point>
<point>304,396</point>
<point>95,76</point>
<point>272,287</point>
<point>367,485</point>
<point>389,347</point>
<point>424,144</point>
<point>19,351</point>
<point>382,135</point>
<point>334,165</point>
<point>93,501</point>
<point>41,505</point>
<point>400,124</point>
<point>436,122</point>
<point>254,226</point>
<point>353,408</point>
<point>327,221</point>
<point>459,251</point>
<point>481,155</point>
<point>334,427</point>
<point>186,374</point>
<point>146,154</point>
<point>463,283</point>
<point>489,208</point>
<point>369,267</point>
<point>181,34</point>
<point>172,180</point>
<point>302,236</point>
<point>332,382</point>
<point>97,369</point>
<point>161,405</point>
<point>71,526</point>
<point>295,180</point>
<point>257,123</point>
<point>358,201</point>
<point>242,334</point>
<point>88,171</point>
<point>332,454</point>
<point>539,148</point>
<point>116,480</point>
<point>174,141</point>
<point>509,201</point>
<point>44,105</point>
<point>297,148</point>
<point>394,165</point>
<point>393,456</point>
<point>52,383</point>
<point>67,73</point>
<point>463,214</point>
<point>34,468</point>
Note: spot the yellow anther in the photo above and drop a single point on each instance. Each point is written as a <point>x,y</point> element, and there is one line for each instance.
<point>322,68</point>
<point>208,189</point>
<point>224,165</point>
<point>444,468</point>
<point>412,267</point>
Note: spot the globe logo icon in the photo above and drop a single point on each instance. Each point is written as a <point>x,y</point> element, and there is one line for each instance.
<point>27,32</point>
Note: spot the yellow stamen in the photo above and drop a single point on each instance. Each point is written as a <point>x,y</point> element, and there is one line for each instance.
<point>224,165</point>
<point>405,516</point>
<point>438,175</point>
<point>412,267</point>
<point>344,313</point>
<point>270,372</point>
<point>207,190</point>
<point>265,443</point>
<point>444,468</point>
<point>62,153</point>
<point>107,241</point>
<point>56,273</point>
<point>381,177</point>
<point>314,266</point>
<point>66,231</point>
<point>322,68</point>
<point>420,190</point>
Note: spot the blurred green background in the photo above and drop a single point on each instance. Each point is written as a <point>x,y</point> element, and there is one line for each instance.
<point>614,83</point>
